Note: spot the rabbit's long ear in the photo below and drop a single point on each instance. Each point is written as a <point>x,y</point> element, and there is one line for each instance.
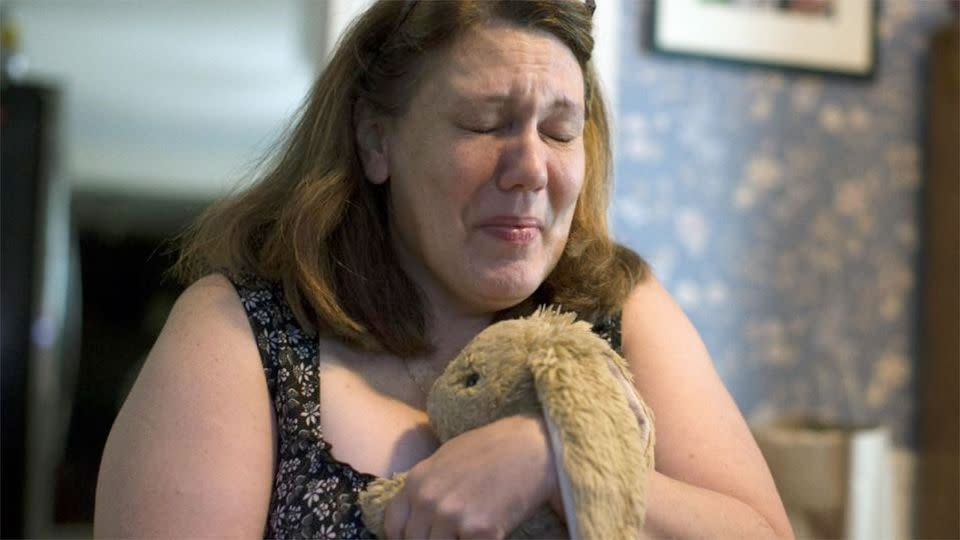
<point>601,434</point>
<point>642,413</point>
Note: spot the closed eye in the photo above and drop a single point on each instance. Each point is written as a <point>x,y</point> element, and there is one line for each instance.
<point>563,138</point>
<point>481,129</point>
<point>562,131</point>
<point>487,130</point>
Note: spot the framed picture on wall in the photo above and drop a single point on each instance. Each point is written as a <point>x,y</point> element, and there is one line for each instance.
<point>833,36</point>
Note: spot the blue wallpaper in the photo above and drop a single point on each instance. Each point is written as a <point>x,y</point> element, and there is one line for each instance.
<point>781,210</point>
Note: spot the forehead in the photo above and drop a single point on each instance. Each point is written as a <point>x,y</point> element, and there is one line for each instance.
<point>500,60</point>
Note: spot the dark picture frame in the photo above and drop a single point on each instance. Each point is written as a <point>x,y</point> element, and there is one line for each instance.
<point>836,37</point>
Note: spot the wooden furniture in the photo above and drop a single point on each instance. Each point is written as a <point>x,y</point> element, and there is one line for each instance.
<point>938,479</point>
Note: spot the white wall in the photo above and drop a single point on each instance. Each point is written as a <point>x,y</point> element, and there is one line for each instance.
<point>168,98</point>
<point>176,99</point>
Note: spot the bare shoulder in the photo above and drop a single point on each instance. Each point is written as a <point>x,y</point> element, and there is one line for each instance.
<point>212,292</point>
<point>702,437</point>
<point>191,453</point>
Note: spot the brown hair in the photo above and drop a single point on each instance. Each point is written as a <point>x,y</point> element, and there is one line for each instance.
<point>314,224</point>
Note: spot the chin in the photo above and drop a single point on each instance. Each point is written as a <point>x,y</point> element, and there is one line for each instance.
<point>505,290</point>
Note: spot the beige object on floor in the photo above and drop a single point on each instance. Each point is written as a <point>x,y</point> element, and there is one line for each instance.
<point>601,432</point>
<point>835,482</point>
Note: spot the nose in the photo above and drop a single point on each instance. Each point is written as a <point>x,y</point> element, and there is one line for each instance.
<point>524,162</point>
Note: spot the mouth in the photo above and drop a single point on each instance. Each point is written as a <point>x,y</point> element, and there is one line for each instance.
<point>512,229</point>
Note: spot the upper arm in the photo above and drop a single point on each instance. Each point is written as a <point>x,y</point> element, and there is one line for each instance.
<point>701,436</point>
<point>192,451</point>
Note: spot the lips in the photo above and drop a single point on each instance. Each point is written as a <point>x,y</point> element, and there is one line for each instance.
<point>512,221</point>
<point>513,229</point>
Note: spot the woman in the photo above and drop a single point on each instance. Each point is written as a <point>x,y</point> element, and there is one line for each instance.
<point>449,169</point>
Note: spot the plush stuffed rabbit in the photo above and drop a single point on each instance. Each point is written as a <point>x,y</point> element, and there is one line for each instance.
<point>600,431</point>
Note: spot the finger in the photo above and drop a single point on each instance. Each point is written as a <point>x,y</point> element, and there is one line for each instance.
<point>396,514</point>
<point>444,526</point>
<point>480,531</point>
<point>442,532</point>
<point>418,522</point>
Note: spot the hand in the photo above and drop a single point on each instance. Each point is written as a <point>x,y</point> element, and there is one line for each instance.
<point>480,484</point>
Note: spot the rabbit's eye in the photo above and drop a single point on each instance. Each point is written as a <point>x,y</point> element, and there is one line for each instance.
<point>471,380</point>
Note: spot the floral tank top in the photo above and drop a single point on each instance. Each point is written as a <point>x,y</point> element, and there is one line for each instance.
<point>314,495</point>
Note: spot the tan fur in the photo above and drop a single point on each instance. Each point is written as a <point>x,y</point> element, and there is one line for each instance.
<point>602,431</point>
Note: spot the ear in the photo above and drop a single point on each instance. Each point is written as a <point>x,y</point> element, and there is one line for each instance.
<point>603,450</point>
<point>370,131</point>
<point>375,498</point>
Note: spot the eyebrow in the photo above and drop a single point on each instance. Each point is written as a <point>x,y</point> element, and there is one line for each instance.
<point>561,103</point>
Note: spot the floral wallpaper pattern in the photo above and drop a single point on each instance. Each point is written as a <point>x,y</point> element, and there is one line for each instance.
<point>782,212</point>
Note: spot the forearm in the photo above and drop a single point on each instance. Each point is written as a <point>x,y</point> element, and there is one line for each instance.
<point>676,509</point>
<point>679,510</point>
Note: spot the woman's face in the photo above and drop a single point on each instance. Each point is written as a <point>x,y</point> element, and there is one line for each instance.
<point>485,166</point>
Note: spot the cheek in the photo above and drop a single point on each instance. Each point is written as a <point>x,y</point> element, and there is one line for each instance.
<point>568,185</point>
<point>440,188</point>
<point>430,172</point>
<point>467,168</point>
<point>472,158</point>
